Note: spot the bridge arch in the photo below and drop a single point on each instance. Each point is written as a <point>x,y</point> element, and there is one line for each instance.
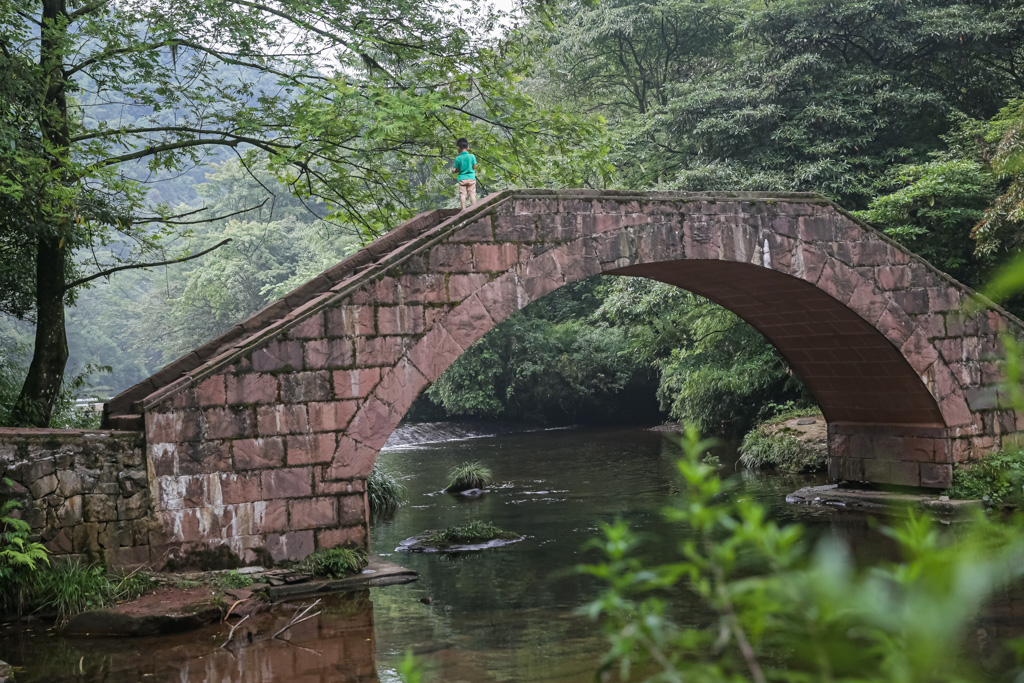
<point>262,440</point>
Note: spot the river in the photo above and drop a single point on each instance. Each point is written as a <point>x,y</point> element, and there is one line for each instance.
<point>507,614</point>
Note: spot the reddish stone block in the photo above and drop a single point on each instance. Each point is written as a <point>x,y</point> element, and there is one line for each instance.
<point>253,454</point>
<point>210,391</point>
<point>434,353</point>
<point>400,319</point>
<point>229,423</point>
<point>425,288</point>
<point>353,510</point>
<point>808,263</point>
<point>468,322</point>
<point>350,321</point>
<point>329,353</point>
<point>401,386</point>
<point>377,351</point>
<point>541,276</point>
<point>373,423</point>
<point>480,231</point>
<point>936,476</point>
<point>919,352</point>
<point>270,516</point>
<point>327,486</point>
<point>867,301</point>
<point>277,355</point>
<point>291,546</point>
<point>904,474</point>
<point>839,280</point>
<point>355,383</point>
<point>347,537</point>
<point>282,419</point>
<point>239,488</point>
<point>302,387</point>
<point>914,302</point>
<point>451,258</point>
<point>309,513</point>
<point>352,460</point>
<point>522,228</point>
<point>879,471</point>
<point>310,328</point>
<point>177,426</point>
<point>955,411</point>
<point>331,416</point>
<point>889,278</point>
<point>895,325</point>
<point>816,229</point>
<point>287,482</point>
<point>461,286</point>
<point>501,297</point>
<point>311,449</point>
<point>251,388</point>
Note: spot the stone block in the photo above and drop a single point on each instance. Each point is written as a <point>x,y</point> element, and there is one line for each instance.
<point>352,460</point>
<point>346,537</point>
<point>462,286</point>
<point>134,508</point>
<point>72,511</point>
<point>480,231</point>
<point>373,423</point>
<point>401,386</point>
<point>378,351</point>
<point>468,322</point>
<point>502,297</point>
<point>210,391</point>
<point>495,257</point>
<point>434,353</point>
<point>43,486</point>
<point>259,453</point>
<point>270,516</point>
<point>329,353</point>
<point>428,288</point>
<point>287,482</point>
<point>350,321</point>
<point>175,426</point>
<point>905,474</point>
<point>282,419</point>
<point>229,423</point>
<point>311,513</point>
<point>303,387</point>
<point>355,383</point>
<point>291,546</point>
<point>310,328</point>
<point>240,488</point>
<point>331,416</point>
<point>253,387</point>
<point>352,510</point>
<point>278,355</point>
<point>311,448</point>
<point>448,258</point>
<point>392,320</point>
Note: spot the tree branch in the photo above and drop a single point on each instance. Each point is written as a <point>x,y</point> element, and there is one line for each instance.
<point>173,219</point>
<point>134,266</point>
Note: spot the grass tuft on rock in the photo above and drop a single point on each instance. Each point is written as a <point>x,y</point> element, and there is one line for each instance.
<point>335,563</point>
<point>468,475</point>
<point>473,532</point>
<point>775,445</point>
<point>384,491</point>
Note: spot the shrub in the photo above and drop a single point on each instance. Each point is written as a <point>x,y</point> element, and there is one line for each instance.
<point>775,446</point>
<point>468,475</point>
<point>998,478</point>
<point>71,587</point>
<point>335,562</point>
<point>384,491</point>
<point>20,558</point>
<point>473,532</point>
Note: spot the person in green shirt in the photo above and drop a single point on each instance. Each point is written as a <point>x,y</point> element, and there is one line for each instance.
<point>463,166</point>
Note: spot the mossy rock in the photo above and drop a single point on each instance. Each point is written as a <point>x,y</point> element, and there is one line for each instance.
<point>794,444</point>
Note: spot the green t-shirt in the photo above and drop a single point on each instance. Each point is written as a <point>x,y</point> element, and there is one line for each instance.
<point>464,164</point>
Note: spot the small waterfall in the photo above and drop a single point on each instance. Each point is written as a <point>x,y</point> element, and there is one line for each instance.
<point>413,434</point>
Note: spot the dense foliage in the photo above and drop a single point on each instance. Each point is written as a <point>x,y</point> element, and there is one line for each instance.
<point>783,610</point>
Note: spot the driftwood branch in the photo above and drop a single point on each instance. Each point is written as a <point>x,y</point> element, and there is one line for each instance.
<point>231,633</point>
<point>133,266</point>
<point>300,616</point>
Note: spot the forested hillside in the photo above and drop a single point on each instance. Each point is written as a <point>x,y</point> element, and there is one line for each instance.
<point>909,113</point>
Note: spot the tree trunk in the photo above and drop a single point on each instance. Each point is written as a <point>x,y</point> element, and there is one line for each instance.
<point>46,373</point>
<point>50,355</point>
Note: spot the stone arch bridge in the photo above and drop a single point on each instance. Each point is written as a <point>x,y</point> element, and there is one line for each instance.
<point>261,440</point>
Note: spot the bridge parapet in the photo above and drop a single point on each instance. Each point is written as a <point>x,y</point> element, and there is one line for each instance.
<point>264,443</point>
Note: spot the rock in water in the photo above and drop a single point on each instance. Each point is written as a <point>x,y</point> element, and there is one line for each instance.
<point>472,493</point>
<point>6,672</point>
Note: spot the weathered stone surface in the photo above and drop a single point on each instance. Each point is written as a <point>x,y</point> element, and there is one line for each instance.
<point>290,418</point>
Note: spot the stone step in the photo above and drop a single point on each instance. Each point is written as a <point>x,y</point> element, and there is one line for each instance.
<point>126,423</point>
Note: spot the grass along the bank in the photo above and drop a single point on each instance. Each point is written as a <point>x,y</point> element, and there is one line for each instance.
<point>999,478</point>
<point>472,532</point>
<point>468,475</point>
<point>383,490</point>
<point>775,443</point>
<point>335,563</point>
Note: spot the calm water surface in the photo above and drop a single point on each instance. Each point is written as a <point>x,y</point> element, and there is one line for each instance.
<point>507,614</point>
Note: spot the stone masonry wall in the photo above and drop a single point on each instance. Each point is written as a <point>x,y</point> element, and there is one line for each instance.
<point>263,450</point>
<point>84,493</point>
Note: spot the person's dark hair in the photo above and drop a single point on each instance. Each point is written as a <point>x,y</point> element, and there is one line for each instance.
<point>463,143</point>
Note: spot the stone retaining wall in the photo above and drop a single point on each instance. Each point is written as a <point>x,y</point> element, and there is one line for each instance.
<point>84,493</point>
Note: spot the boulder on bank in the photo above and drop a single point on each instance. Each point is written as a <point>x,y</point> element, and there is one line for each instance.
<point>794,443</point>
<point>166,610</point>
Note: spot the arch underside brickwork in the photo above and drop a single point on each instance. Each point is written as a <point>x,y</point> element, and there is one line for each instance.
<point>262,440</point>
